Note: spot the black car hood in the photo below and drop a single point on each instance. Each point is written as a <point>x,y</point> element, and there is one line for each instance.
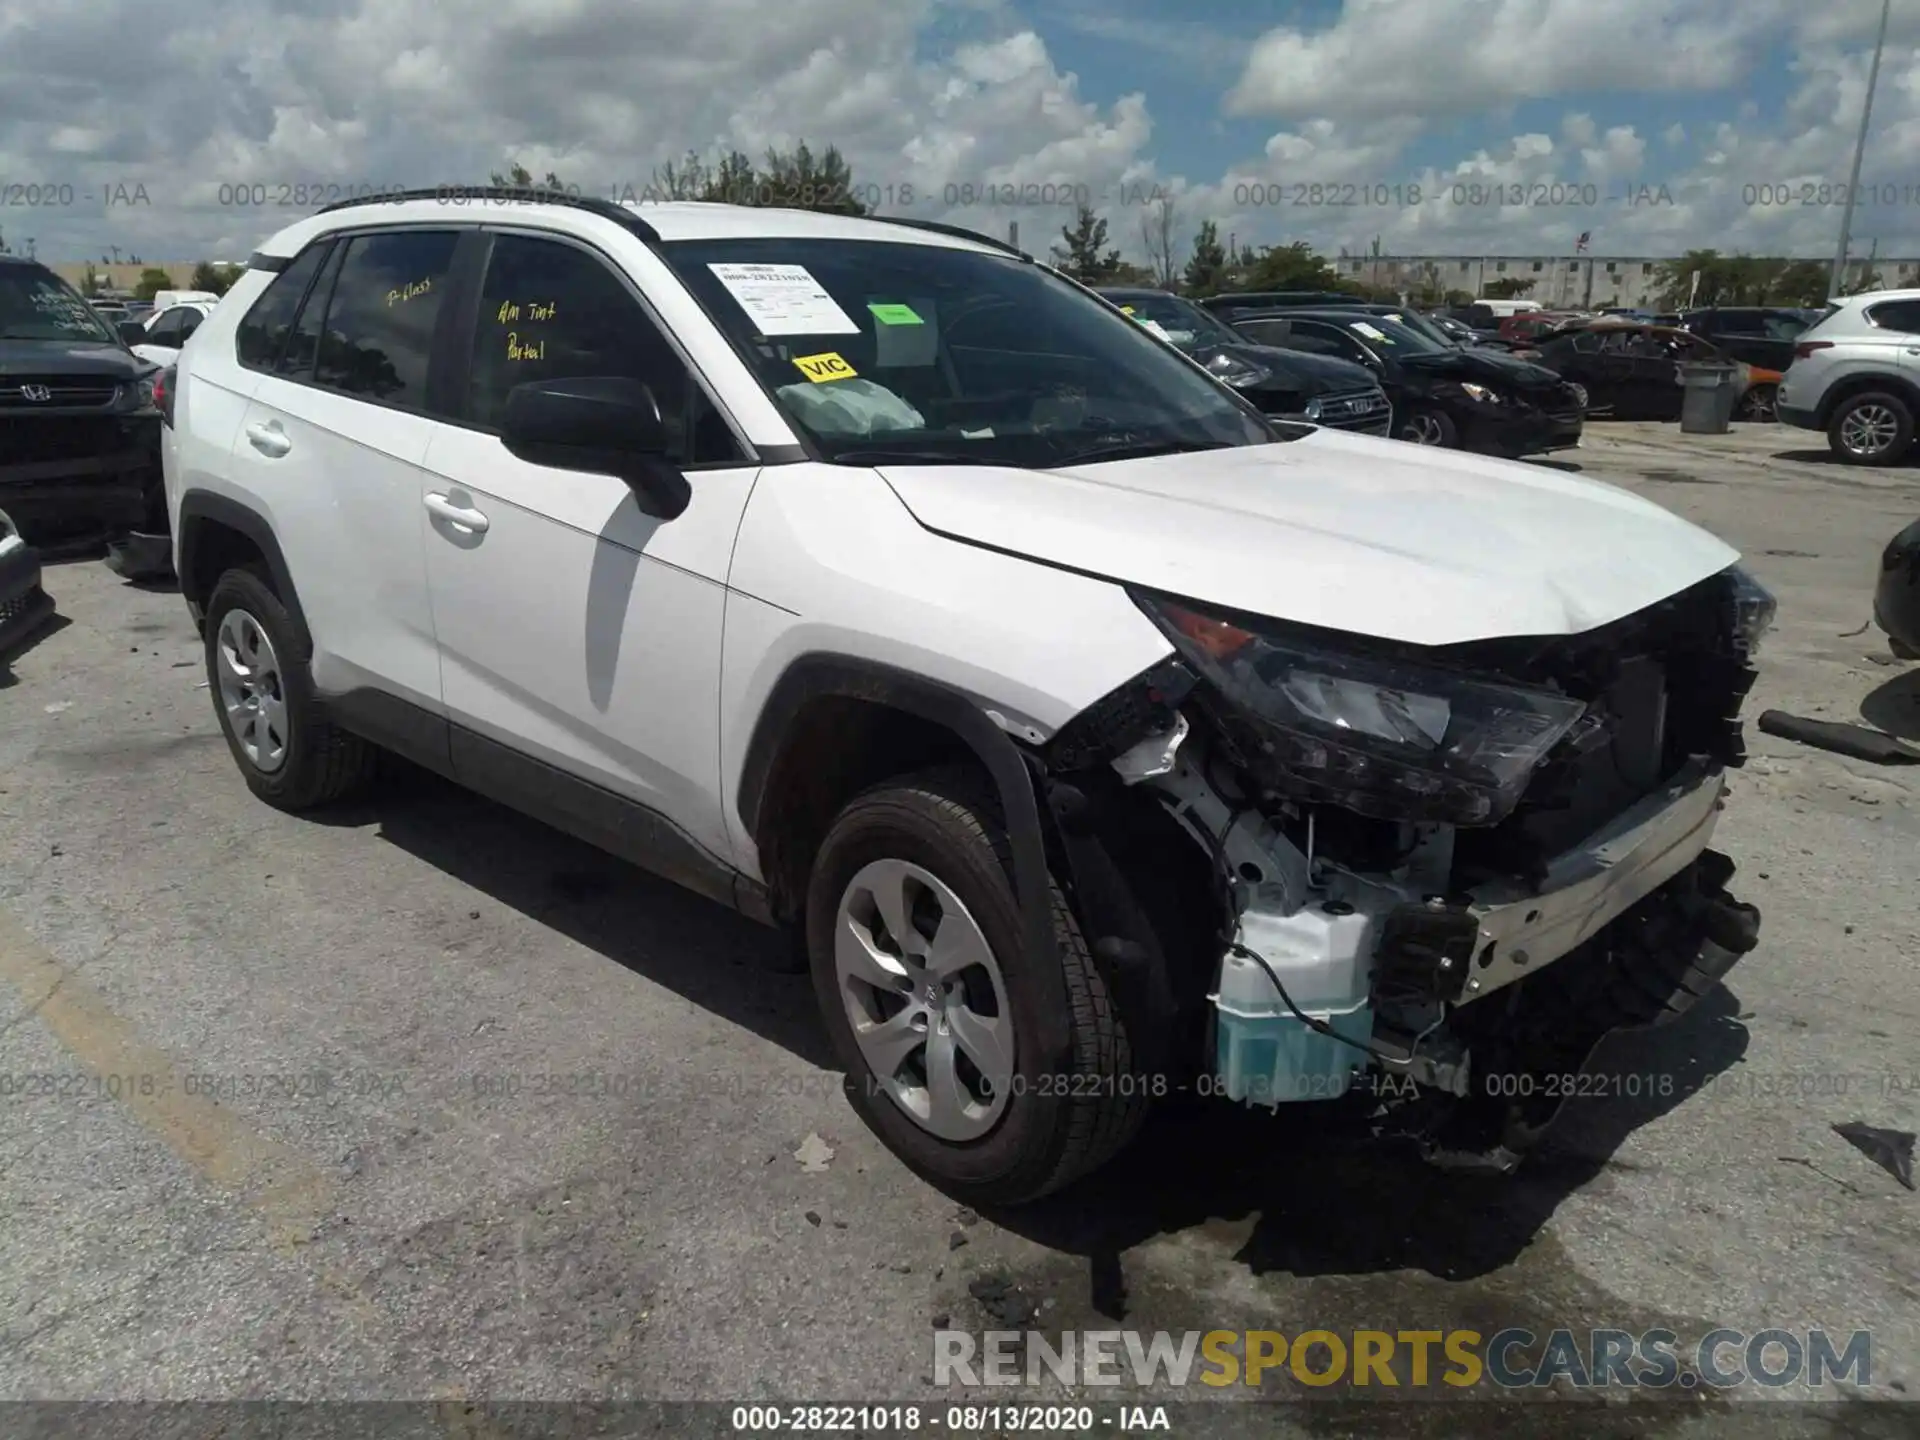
<point>1494,369</point>
<point>70,357</point>
<point>1309,374</point>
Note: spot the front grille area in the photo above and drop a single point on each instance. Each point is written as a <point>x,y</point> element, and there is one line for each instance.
<point>53,392</point>
<point>1358,410</point>
<point>1661,687</point>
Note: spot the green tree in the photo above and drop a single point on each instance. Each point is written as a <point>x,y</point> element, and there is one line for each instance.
<point>1206,271</point>
<point>1674,284</point>
<point>90,282</point>
<point>1296,266</point>
<point>1083,252</point>
<point>215,278</point>
<point>1802,282</point>
<point>3,244</point>
<point>797,179</point>
<point>518,177</point>
<point>1509,287</point>
<point>152,282</point>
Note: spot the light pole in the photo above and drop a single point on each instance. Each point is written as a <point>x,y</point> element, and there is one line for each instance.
<point>1859,153</point>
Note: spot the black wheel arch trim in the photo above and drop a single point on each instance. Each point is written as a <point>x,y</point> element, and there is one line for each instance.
<point>820,675</point>
<point>1845,389</point>
<point>224,510</point>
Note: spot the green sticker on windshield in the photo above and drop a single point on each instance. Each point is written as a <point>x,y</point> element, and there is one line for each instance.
<point>895,315</point>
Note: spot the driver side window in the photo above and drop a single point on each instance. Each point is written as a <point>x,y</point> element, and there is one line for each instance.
<point>552,311</point>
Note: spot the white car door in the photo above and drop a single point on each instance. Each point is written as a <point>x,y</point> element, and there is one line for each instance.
<point>577,631</point>
<point>166,333</point>
<point>331,445</point>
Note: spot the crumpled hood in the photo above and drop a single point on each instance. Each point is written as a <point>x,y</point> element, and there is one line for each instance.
<point>1349,532</point>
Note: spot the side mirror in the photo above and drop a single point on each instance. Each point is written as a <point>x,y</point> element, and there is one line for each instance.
<point>602,425</point>
<point>132,333</point>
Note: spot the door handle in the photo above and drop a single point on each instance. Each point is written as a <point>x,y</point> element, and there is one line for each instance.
<point>454,514</point>
<point>269,439</point>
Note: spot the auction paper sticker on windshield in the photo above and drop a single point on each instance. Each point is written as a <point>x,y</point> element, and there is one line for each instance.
<point>784,300</point>
<point>820,368</point>
<point>896,315</point>
<point>1370,331</point>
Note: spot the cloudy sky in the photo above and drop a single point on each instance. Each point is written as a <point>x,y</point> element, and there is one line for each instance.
<point>1429,126</point>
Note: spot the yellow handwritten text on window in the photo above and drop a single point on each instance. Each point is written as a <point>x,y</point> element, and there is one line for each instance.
<point>510,312</point>
<point>408,291</point>
<point>519,350</point>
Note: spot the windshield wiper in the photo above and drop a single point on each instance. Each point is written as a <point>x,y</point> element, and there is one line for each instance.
<point>909,457</point>
<point>1135,450</point>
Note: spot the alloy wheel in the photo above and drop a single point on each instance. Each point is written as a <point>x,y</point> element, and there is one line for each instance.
<point>925,999</point>
<point>1424,430</point>
<point>251,690</point>
<point>1869,430</point>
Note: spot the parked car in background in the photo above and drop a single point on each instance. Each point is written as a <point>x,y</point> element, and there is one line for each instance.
<point>166,299</point>
<point>1631,371</point>
<point>79,435</point>
<point>1285,384</point>
<point>1442,395</point>
<point>159,337</point>
<point>1758,335</point>
<point>1856,375</point>
<point>1246,302</point>
<point>1896,597</point>
<point>1530,326</point>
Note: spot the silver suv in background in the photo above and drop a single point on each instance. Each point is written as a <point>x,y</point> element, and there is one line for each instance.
<point>1856,375</point>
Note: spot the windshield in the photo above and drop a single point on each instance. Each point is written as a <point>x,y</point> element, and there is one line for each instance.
<point>36,304</point>
<point>1421,325</point>
<point>884,352</point>
<point>1182,321</point>
<point>1388,336</point>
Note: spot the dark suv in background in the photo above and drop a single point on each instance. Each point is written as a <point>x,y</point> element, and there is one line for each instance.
<point>1759,335</point>
<point>79,434</point>
<point>1284,384</point>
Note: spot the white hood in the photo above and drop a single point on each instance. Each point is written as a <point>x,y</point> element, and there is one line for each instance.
<point>1373,537</point>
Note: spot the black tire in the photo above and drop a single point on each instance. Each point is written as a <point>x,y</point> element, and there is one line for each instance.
<point>1893,405</point>
<point>323,762</point>
<point>1757,405</point>
<point>1055,1128</point>
<point>1442,425</point>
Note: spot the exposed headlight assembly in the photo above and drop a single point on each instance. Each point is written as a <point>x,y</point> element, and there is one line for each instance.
<point>1482,393</point>
<point>1753,608</point>
<point>1388,738</point>
<point>1312,412</point>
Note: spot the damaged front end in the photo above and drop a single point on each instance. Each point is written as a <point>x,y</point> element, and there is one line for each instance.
<point>1315,860</point>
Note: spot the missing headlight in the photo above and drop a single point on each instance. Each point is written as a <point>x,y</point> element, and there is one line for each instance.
<point>1380,736</point>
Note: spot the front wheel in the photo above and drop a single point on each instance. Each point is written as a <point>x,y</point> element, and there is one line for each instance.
<point>914,937</point>
<point>1430,427</point>
<point>1875,428</point>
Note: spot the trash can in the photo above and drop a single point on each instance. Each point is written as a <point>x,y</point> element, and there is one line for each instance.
<point>1712,389</point>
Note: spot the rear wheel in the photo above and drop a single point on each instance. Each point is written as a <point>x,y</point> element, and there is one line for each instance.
<point>257,657</point>
<point>1873,428</point>
<point>935,1010</point>
<point>1757,405</point>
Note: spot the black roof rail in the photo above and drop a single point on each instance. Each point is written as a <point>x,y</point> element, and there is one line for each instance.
<point>504,195</point>
<point>959,232</point>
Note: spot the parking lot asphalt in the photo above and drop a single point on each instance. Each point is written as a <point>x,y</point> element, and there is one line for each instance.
<point>418,1099</point>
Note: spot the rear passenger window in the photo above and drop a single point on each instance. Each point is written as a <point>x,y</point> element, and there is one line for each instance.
<point>1901,315</point>
<point>296,361</point>
<point>189,322</point>
<point>378,334</point>
<point>258,340</point>
<point>550,311</point>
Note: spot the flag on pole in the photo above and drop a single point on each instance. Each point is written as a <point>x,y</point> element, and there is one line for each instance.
<point>1580,245</point>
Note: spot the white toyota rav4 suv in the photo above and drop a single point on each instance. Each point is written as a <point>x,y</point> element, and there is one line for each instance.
<point>1096,738</point>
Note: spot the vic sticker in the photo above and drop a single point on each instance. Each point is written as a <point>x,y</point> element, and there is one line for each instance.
<point>829,366</point>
